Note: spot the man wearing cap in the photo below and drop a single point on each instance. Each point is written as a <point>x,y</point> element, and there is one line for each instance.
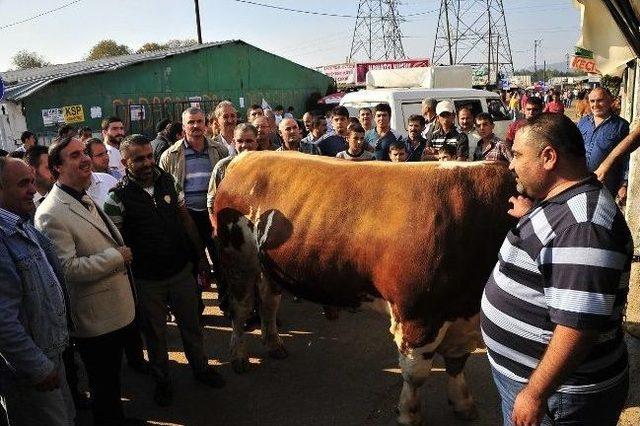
<point>446,133</point>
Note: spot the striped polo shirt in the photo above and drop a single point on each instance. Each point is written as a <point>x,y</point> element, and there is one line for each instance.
<point>198,169</point>
<point>566,262</point>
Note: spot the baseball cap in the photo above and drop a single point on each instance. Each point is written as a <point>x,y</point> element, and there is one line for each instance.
<point>445,106</point>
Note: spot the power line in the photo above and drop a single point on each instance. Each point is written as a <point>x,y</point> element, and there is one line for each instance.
<point>39,15</point>
<point>287,9</point>
<point>313,12</point>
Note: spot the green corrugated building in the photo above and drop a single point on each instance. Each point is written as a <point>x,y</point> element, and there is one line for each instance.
<point>143,88</point>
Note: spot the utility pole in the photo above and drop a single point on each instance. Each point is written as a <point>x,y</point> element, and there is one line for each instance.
<point>536,43</point>
<point>198,22</point>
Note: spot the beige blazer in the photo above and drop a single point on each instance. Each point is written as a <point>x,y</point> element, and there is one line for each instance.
<point>99,290</point>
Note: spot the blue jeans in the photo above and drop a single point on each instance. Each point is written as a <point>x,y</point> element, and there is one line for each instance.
<point>597,409</point>
<point>27,406</point>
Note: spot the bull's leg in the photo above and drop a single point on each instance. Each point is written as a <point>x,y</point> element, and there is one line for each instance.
<point>463,337</point>
<point>241,311</point>
<point>415,368</point>
<point>415,364</point>
<point>269,303</point>
<point>457,390</point>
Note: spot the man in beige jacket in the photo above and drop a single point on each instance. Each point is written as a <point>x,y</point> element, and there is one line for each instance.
<point>95,264</point>
<point>190,161</point>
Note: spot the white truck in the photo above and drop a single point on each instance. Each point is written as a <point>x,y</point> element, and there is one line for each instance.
<point>405,102</point>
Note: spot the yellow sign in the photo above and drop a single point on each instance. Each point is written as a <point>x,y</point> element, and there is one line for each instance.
<point>73,114</point>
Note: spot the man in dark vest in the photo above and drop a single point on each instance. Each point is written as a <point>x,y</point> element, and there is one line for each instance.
<point>164,241</point>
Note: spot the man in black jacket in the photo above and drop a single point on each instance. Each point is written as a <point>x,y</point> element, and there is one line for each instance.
<point>164,241</point>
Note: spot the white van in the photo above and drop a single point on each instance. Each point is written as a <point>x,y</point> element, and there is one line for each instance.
<point>406,102</point>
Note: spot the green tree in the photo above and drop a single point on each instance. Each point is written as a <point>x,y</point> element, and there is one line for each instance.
<point>25,59</point>
<point>172,44</point>
<point>106,49</point>
<point>612,83</point>
<point>150,47</point>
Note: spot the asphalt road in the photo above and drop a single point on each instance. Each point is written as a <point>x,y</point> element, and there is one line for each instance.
<point>341,372</point>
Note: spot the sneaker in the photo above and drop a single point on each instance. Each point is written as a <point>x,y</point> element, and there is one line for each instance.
<point>210,377</point>
<point>163,395</point>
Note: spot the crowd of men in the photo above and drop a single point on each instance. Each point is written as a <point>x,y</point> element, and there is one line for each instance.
<point>102,237</point>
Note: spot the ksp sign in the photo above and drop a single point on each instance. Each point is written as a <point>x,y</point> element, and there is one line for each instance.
<point>73,114</point>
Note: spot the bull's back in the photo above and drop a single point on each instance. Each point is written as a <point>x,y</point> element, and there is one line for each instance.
<point>336,231</point>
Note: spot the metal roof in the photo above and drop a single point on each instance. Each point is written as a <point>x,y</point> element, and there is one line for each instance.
<point>22,83</point>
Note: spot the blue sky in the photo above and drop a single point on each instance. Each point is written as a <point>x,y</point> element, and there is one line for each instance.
<point>67,34</point>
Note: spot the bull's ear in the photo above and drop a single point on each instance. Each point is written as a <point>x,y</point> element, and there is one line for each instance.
<point>273,229</point>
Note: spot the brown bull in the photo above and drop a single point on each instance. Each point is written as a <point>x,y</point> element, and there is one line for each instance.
<point>423,237</point>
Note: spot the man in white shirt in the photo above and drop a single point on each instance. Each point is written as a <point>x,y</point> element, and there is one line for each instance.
<point>225,119</point>
<point>112,135</point>
<point>101,183</point>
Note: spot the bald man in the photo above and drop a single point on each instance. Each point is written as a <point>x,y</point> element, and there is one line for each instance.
<point>602,131</point>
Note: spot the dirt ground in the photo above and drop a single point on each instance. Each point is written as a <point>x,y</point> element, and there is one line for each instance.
<point>342,372</point>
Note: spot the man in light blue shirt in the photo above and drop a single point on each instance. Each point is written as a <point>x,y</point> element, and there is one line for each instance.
<point>602,130</point>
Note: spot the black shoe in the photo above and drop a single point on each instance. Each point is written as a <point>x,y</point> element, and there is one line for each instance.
<point>140,367</point>
<point>81,401</point>
<point>210,377</point>
<point>252,323</point>
<point>133,421</point>
<point>163,395</point>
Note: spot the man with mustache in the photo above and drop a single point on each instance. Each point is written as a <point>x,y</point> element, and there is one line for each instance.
<point>551,312</point>
<point>155,223</point>
<point>112,134</point>
<point>95,263</point>
<point>190,161</point>
<point>225,119</point>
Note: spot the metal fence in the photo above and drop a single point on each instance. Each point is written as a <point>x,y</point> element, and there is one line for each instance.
<point>143,118</point>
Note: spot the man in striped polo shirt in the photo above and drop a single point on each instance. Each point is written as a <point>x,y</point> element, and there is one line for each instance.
<point>190,161</point>
<point>552,308</point>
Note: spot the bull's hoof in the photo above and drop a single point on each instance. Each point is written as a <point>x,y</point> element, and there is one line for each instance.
<point>410,418</point>
<point>278,353</point>
<point>468,414</point>
<point>240,365</point>
<point>409,421</point>
<point>331,313</point>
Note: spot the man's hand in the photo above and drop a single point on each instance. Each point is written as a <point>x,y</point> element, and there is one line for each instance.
<point>622,196</point>
<point>51,382</point>
<point>601,172</point>
<point>521,206</point>
<point>126,254</point>
<point>528,409</point>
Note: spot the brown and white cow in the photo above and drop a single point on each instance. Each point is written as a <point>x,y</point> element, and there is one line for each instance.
<point>422,236</point>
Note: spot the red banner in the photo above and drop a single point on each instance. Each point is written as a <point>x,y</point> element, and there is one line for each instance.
<point>363,67</point>
<point>584,64</point>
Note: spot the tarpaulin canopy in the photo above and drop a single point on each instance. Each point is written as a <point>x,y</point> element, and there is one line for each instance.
<point>333,98</point>
<point>608,32</point>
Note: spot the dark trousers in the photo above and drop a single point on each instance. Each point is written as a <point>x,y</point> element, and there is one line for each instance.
<point>102,358</point>
<point>153,297</point>
<point>133,346</point>
<point>203,224</point>
<point>70,366</point>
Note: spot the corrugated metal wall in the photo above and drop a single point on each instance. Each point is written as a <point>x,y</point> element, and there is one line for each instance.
<point>232,71</point>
